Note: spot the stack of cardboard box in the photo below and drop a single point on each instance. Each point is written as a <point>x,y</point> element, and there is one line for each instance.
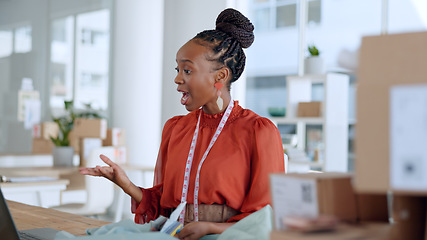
<point>116,137</point>
<point>87,134</point>
<point>391,160</point>
<point>93,133</point>
<point>391,132</point>
<point>315,195</point>
<point>42,144</point>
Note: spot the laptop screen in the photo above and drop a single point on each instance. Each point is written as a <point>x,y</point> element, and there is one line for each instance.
<point>7,227</point>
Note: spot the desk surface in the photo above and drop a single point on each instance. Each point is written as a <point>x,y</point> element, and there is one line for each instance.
<point>58,182</point>
<point>37,171</point>
<point>28,217</point>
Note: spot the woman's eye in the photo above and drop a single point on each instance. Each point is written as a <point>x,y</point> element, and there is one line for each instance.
<point>177,69</point>
<point>187,71</point>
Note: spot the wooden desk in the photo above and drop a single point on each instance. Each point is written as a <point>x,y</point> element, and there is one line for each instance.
<point>28,217</point>
<point>76,180</point>
<point>54,185</point>
<point>40,193</point>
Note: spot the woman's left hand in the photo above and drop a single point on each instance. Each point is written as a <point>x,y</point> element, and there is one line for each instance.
<point>195,230</point>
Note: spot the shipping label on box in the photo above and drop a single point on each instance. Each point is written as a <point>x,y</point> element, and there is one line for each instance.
<point>293,197</point>
<point>37,131</point>
<point>120,155</point>
<point>46,130</point>
<point>408,137</point>
<point>115,137</point>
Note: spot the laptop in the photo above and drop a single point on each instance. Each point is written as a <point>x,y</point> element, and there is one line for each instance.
<point>9,231</point>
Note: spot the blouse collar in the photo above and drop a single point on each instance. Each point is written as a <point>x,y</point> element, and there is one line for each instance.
<point>212,120</point>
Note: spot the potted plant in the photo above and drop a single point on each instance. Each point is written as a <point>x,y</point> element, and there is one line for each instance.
<point>63,153</point>
<point>313,64</point>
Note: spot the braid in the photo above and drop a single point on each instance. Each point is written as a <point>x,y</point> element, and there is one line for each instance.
<point>233,33</point>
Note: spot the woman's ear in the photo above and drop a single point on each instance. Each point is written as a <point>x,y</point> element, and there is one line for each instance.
<point>223,75</point>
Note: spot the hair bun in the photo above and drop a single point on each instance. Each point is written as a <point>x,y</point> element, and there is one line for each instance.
<point>236,25</point>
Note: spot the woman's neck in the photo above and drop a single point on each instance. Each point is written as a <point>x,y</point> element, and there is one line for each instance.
<point>212,107</point>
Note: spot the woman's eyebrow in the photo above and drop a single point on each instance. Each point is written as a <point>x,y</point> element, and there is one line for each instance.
<point>185,60</point>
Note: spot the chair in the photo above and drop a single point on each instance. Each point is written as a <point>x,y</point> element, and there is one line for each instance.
<point>99,191</point>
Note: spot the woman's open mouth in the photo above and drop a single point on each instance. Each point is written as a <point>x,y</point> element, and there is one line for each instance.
<point>185,97</point>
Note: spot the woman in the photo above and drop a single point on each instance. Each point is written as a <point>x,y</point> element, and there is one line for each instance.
<point>218,157</point>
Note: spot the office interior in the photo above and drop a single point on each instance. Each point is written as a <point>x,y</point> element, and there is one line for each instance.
<point>119,57</point>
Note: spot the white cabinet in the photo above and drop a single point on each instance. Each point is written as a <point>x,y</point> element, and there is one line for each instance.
<point>333,123</point>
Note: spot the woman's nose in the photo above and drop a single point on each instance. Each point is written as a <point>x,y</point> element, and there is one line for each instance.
<point>178,79</point>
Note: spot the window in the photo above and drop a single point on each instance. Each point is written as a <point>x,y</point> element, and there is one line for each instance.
<point>92,59</point>
<point>286,15</point>
<point>265,92</point>
<point>23,39</point>
<point>274,54</point>
<point>62,61</point>
<point>276,14</point>
<point>414,12</point>
<point>6,40</point>
<point>15,40</point>
<point>80,60</point>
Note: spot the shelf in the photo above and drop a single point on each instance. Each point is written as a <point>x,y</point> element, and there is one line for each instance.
<point>306,120</point>
<point>334,121</point>
<point>311,164</point>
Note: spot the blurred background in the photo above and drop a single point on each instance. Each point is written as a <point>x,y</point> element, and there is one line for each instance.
<point>119,57</point>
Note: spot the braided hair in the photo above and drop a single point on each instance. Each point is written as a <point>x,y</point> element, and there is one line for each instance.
<point>233,32</point>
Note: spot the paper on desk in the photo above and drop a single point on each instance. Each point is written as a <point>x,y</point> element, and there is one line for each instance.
<point>408,137</point>
<point>293,197</point>
<point>173,217</point>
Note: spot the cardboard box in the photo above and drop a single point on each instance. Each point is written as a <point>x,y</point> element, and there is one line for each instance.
<point>46,130</point>
<point>391,85</point>
<point>115,137</point>
<point>311,195</point>
<point>90,128</point>
<point>86,146</point>
<point>315,194</point>
<point>409,216</point>
<point>309,109</point>
<point>42,146</point>
<point>366,231</point>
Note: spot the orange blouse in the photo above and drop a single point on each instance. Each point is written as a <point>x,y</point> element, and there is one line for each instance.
<point>234,173</point>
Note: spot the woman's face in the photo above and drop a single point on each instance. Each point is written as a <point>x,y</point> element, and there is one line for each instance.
<point>196,77</point>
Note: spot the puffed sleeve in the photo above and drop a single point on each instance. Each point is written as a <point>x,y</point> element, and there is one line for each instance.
<point>267,157</point>
<point>149,208</point>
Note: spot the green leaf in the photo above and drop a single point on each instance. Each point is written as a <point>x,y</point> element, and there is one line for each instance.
<point>313,50</point>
